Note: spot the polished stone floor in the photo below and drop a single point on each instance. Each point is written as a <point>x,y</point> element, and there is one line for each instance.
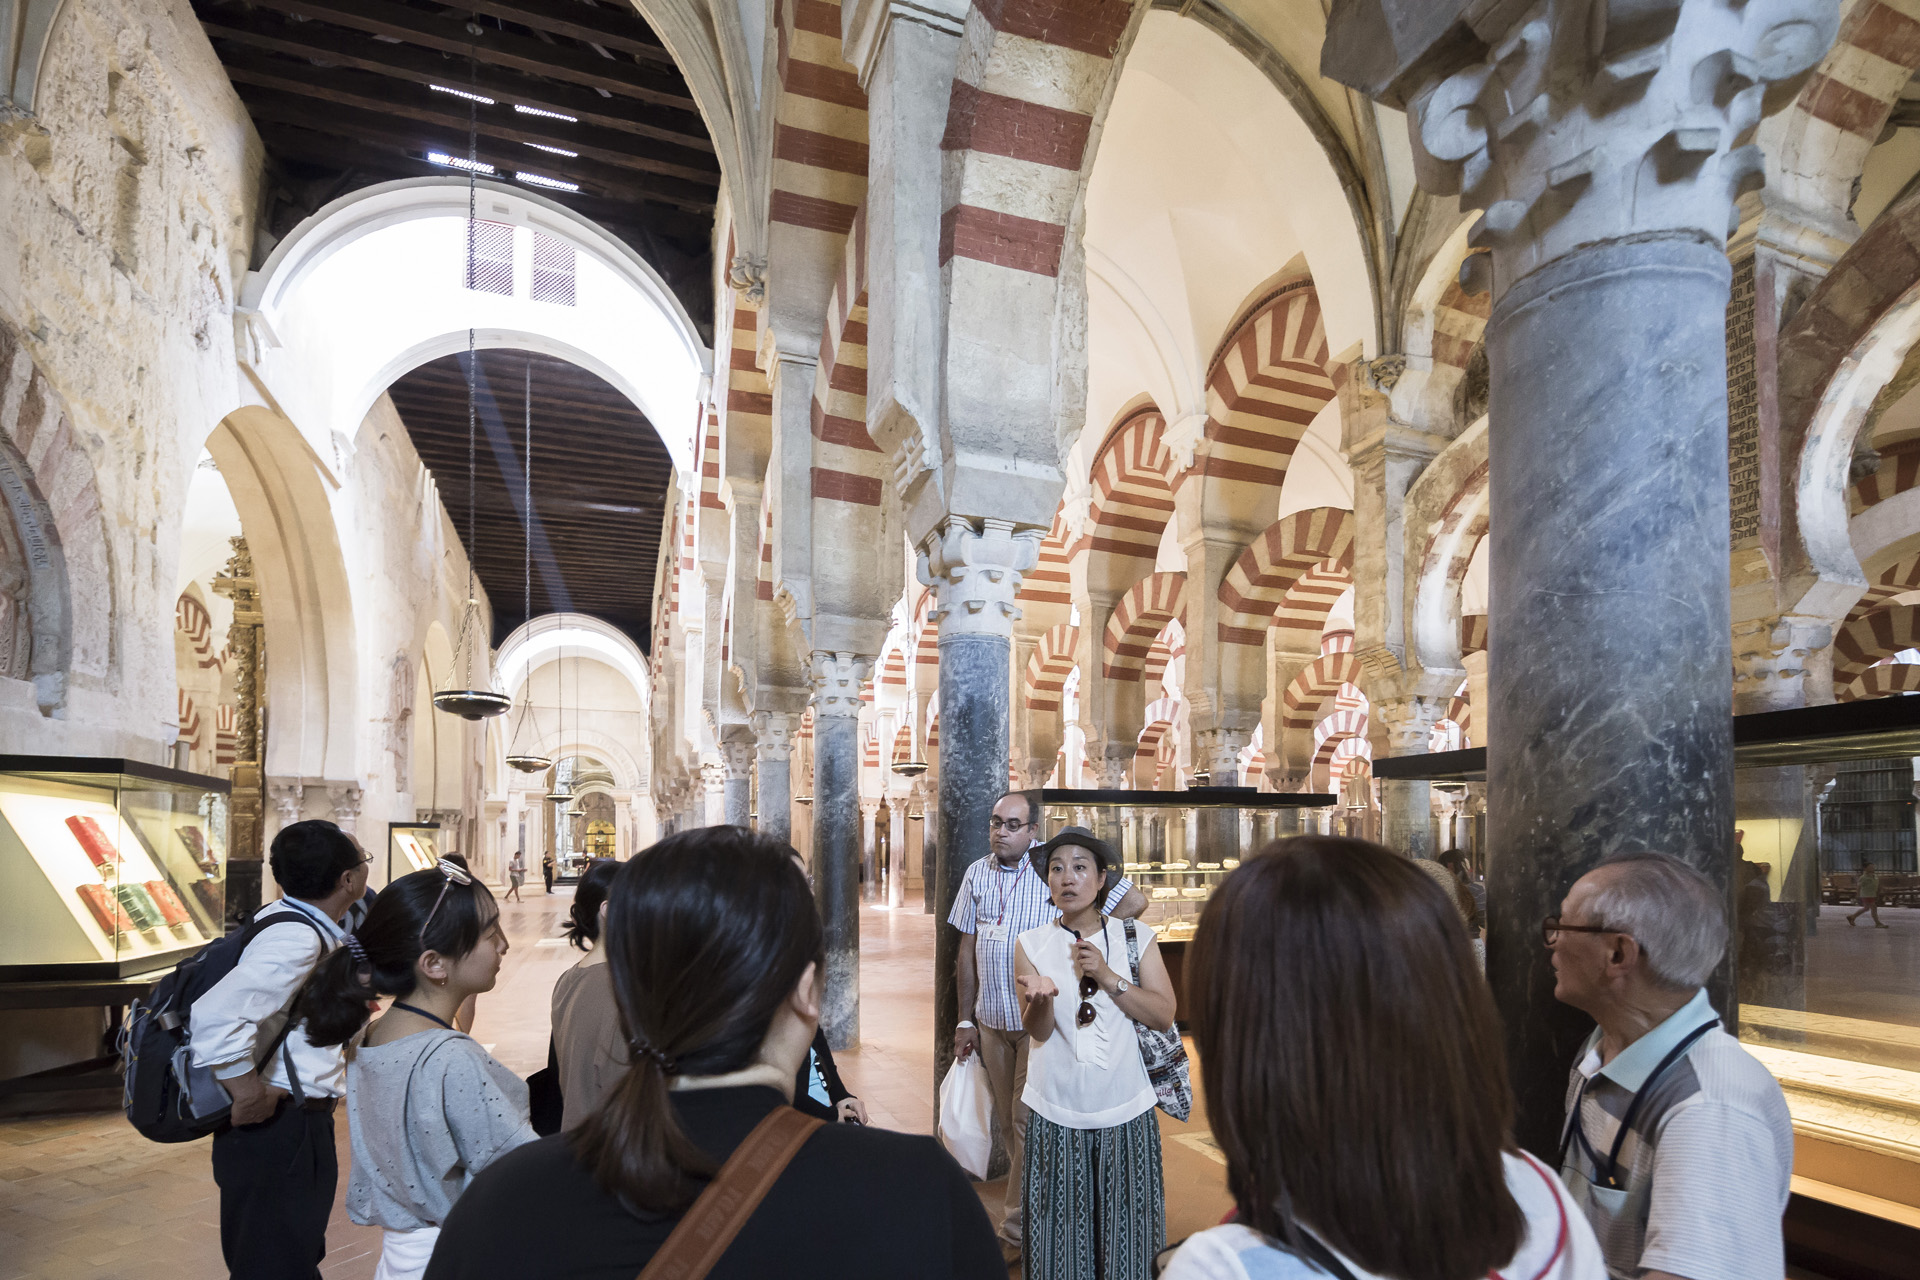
<point>85,1198</point>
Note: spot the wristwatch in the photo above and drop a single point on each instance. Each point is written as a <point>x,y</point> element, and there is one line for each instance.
<point>963,1026</point>
<point>1120,986</point>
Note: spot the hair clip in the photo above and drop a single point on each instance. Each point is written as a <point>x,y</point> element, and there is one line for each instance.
<point>661,1060</point>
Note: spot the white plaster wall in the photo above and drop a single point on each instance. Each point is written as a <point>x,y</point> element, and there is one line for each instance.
<point>125,221</point>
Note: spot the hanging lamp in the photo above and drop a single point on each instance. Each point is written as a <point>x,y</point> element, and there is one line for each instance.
<point>470,692</point>
<point>562,792</point>
<point>527,761</point>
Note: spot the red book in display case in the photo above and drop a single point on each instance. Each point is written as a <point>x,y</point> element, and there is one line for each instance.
<point>107,911</point>
<point>93,840</point>
<point>172,910</point>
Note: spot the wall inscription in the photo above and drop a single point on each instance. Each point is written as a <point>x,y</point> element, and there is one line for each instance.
<point>1743,407</point>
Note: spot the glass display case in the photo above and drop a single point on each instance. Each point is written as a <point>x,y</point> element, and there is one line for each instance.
<point>411,846</point>
<point>1177,845</point>
<point>108,868</point>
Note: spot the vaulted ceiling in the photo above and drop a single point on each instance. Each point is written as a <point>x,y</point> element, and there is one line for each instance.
<point>560,93</point>
<point>600,476</point>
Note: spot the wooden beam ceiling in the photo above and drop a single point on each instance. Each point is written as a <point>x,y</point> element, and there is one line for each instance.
<point>343,94</point>
<point>600,476</point>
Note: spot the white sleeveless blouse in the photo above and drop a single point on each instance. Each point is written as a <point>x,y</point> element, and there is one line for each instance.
<point>1092,1078</point>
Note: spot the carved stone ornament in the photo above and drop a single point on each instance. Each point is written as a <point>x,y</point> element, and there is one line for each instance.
<point>344,799</point>
<point>837,678</point>
<point>747,275</point>
<point>1782,662</point>
<point>977,573</point>
<point>1597,120</point>
<point>287,797</point>
<point>1408,722</point>
<point>737,754</point>
<point>773,735</point>
<point>713,776</point>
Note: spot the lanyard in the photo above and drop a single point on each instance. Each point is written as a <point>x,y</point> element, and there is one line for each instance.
<point>1006,886</point>
<point>1609,1172</point>
<point>402,1004</point>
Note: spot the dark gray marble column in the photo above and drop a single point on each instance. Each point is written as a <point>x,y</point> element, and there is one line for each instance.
<point>1610,648</point>
<point>836,835</point>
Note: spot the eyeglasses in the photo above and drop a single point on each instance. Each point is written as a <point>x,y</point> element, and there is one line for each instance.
<point>455,874</point>
<point>1551,929</point>
<point>1008,824</point>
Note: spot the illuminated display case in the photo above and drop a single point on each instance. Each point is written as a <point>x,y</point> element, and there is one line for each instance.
<point>411,846</point>
<point>108,868</point>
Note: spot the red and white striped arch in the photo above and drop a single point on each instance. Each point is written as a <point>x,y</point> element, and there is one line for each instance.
<point>1154,754</point>
<point>1322,678</point>
<point>847,465</point>
<point>1897,578</point>
<point>1047,670</point>
<point>1337,642</point>
<point>820,124</point>
<point>763,576</point>
<point>226,734</point>
<point>926,640</point>
<point>1253,589</point>
<point>192,621</point>
<point>902,745</point>
<point>1046,590</point>
<point>1884,680</point>
<point>1898,472</point>
<point>893,670</point>
<point>1473,633</point>
<point>1880,634</point>
<point>1171,643</point>
<point>1459,322</point>
<point>1132,501</point>
<point>1138,617</point>
<point>189,720</point>
<point>1302,613</point>
<point>1263,391</point>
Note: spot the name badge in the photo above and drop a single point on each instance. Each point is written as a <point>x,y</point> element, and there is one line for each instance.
<point>993,932</point>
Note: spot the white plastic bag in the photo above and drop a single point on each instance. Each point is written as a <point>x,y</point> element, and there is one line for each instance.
<point>966,1115</point>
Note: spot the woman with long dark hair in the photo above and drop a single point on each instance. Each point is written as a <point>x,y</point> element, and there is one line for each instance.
<point>589,1051</point>
<point>427,1107</point>
<point>1356,1083</point>
<point>715,952</point>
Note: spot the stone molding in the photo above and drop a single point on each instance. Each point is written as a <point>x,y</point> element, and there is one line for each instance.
<point>1781,662</point>
<point>1582,124</point>
<point>976,568</point>
<point>837,678</point>
<point>864,23</point>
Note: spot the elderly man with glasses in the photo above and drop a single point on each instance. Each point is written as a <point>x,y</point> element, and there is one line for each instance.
<point>1001,898</point>
<point>1677,1142</point>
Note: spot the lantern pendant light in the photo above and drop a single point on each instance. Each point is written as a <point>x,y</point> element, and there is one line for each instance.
<point>527,761</point>
<point>470,692</point>
<point>562,792</point>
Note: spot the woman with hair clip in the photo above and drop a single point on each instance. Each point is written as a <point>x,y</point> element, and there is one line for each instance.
<point>1356,1083</point>
<point>427,1107</point>
<point>715,952</point>
<point>589,1054</point>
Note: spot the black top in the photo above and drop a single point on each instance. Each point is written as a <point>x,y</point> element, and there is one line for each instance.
<point>854,1203</point>
<point>806,1103</point>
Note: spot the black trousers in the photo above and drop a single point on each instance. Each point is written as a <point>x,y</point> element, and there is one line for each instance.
<point>276,1181</point>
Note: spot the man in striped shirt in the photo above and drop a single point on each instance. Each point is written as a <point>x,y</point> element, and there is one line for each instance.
<point>1000,898</point>
<point>1677,1143</point>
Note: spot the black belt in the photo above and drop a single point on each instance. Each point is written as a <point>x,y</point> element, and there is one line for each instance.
<point>323,1105</point>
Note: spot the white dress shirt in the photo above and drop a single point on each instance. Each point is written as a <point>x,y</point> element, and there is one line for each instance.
<point>1088,1077</point>
<point>242,1013</point>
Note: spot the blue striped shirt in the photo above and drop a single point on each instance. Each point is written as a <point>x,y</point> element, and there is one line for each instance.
<point>997,904</point>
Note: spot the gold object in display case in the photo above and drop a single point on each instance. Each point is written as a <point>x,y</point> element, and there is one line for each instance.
<point>411,846</point>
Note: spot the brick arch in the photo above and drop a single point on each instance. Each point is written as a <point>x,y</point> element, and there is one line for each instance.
<point>926,639</point>
<point>847,464</point>
<point>1155,749</point>
<point>1321,679</point>
<point>1251,594</point>
<point>1883,681</point>
<point>1171,643</point>
<point>1473,633</point>
<point>195,625</point>
<point>1901,576</point>
<point>893,669</point>
<point>1449,505</point>
<point>1899,471</point>
<point>1303,611</point>
<point>1269,381</point>
<point>1047,670</point>
<point>1132,501</point>
<point>1046,590</point>
<point>1867,640</point>
<point>902,745</point>
<point>1139,615</point>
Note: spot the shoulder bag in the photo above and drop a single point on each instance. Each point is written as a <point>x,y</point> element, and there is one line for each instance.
<point>1162,1051</point>
<point>714,1219</point>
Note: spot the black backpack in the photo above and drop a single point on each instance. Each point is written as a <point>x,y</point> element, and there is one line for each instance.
<point>166,1097</point>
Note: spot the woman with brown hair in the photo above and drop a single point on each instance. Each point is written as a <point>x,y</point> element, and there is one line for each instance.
<point>1355,1082</point>
<point>715,952</point>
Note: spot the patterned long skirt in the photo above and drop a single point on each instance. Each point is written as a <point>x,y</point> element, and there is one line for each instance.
<point>1096,1203</point>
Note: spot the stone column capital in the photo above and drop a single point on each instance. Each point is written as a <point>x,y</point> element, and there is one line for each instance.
<point>864,25</point>
<point>713,776</point>
<point>837,677</point>
<point>287,795</point>
<point>773,734</point>
<point>1402,725</point>
<point>1781,662</point>
<point>345,801</point>
<point>1574,125</point>
<point>976,567</point>
<point>736,757</point>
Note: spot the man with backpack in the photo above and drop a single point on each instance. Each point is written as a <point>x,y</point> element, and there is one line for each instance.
<point>275,1163</point>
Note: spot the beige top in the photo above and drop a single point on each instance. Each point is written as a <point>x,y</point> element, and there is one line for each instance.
<point>586,1040</point>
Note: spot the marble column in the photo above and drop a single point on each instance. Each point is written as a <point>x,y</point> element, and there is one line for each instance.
<point>736,755</point>
<point>836,834</point>
<point>869,851</point>
<point>773,757</point>
<point>1476,665</point>
<point>1606,214</point>
<point>897,860</point>
<point>1406,807</point>
<point>711,802</point>
<point>976,569</point>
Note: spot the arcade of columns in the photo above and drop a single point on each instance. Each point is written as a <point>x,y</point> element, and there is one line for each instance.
<point>906,540</point>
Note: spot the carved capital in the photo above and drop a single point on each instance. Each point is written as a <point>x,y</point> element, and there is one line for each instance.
<point>773,735</point>
<point>747,276</point>
<point>345,801</point>
<point>1220,750</point>
<point>1782,662</point>
<point>1404,725</point>
<point>287,797</point>
<point>736,755</point>
<point>977,571</point>
<point>713,777</point>
<point>837,678</point>
<point>1571,125</point>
